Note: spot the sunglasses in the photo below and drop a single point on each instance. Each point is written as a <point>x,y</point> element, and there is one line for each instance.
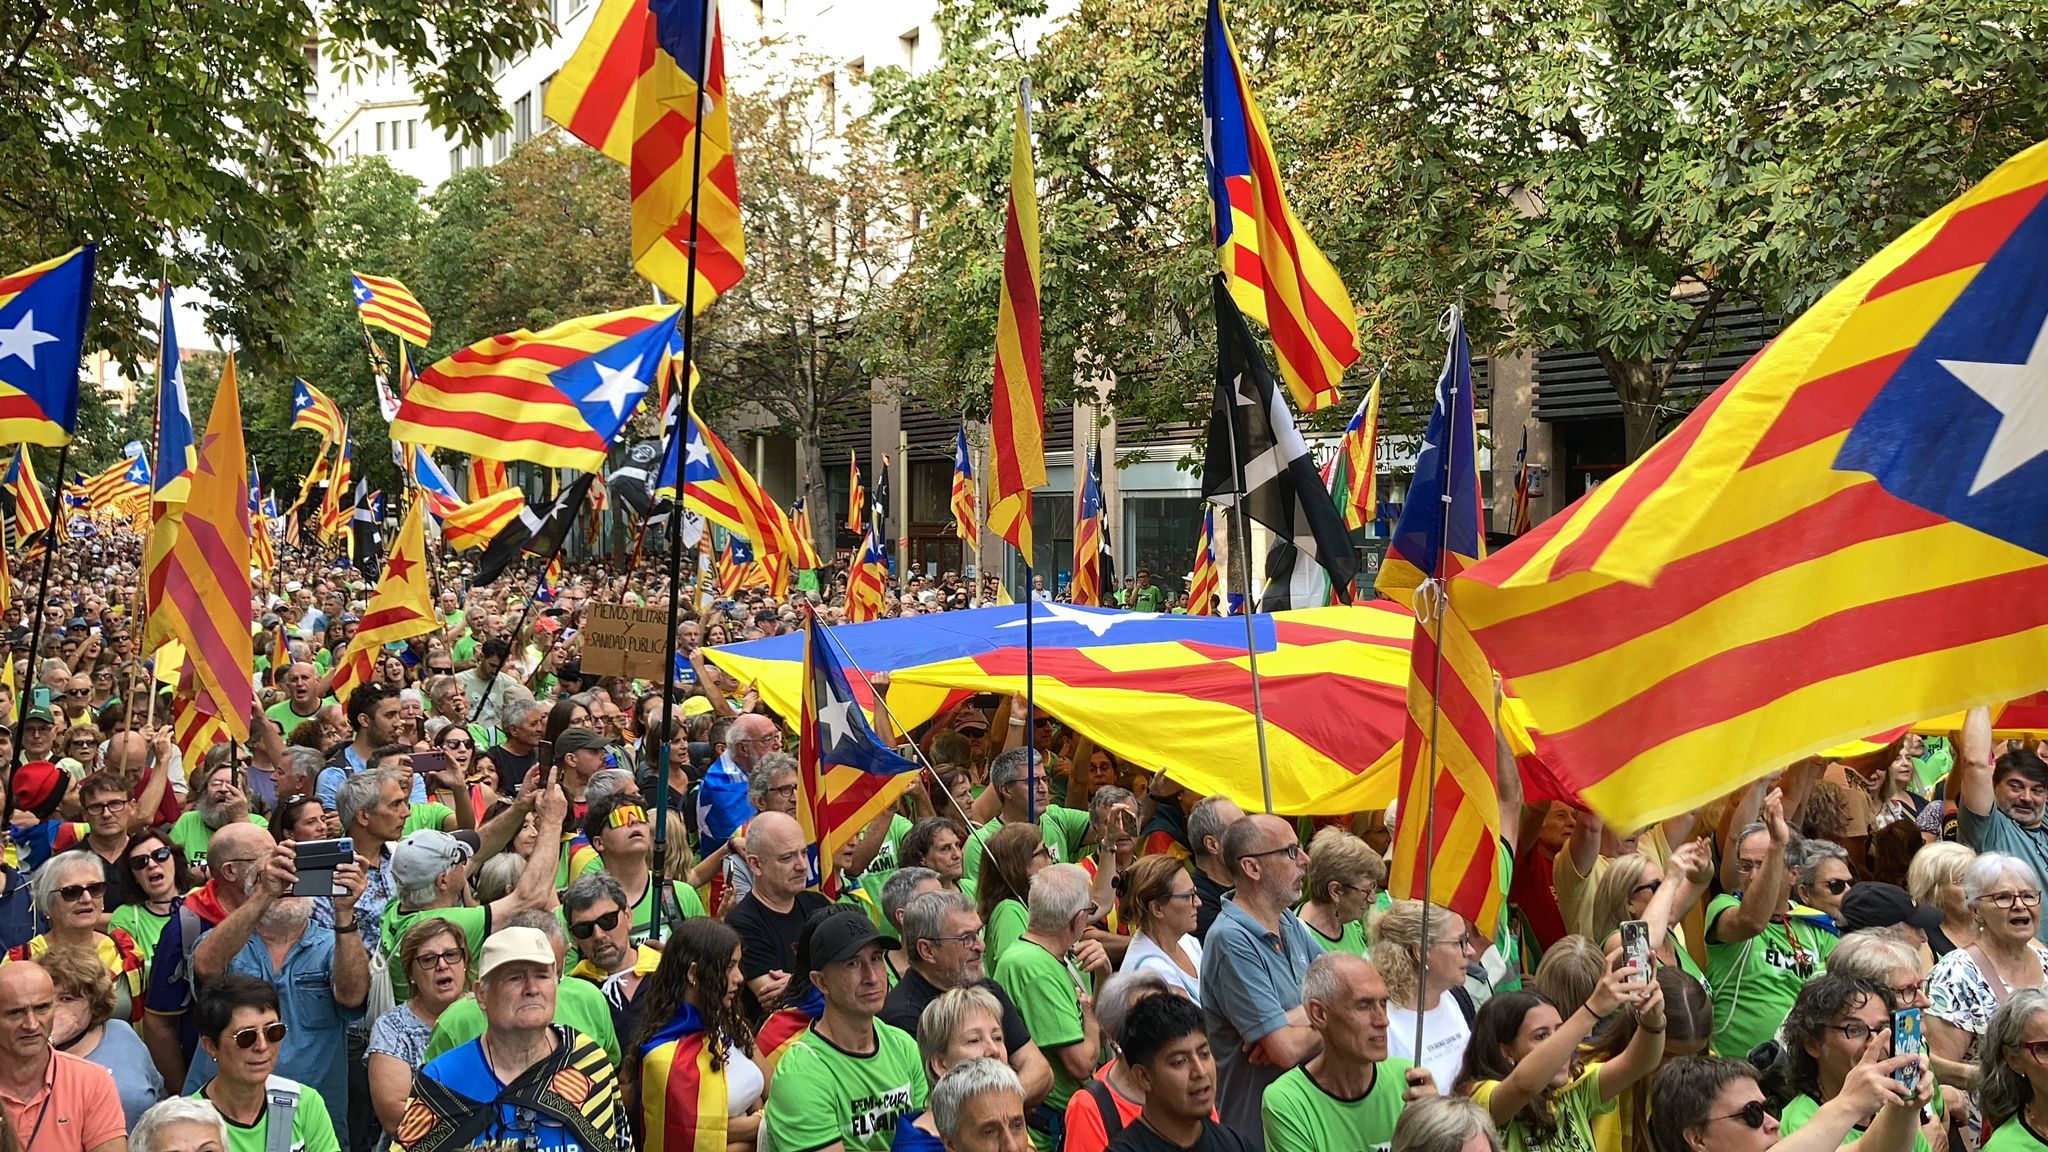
<point>71,892</point>
<point>246,1038</point>
<point>585,929</point>
<point>462,744</point>
<point>1752,1115</point>
<point>1836,887</point>
<point>157,856</point>
<point>627,814</point>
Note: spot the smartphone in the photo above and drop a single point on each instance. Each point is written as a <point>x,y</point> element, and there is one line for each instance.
<point>1908,1040</point>
<point>1126,822</point>
<point>1635,949</point>
<point>424,763</point>
<point>316,861</point>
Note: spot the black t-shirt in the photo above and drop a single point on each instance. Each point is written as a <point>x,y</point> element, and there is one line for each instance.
<point>912,994</point>
<point>512,767</point>
<point>1211,894</point>
<point>768,939</point>
<point>1139,1137</point>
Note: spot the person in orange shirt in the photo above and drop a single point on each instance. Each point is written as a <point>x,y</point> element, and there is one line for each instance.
<point>56,1101</point>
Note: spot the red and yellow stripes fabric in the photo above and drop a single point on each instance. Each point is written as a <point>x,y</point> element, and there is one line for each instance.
<point>682,1094</point>
<point>486,478</point>
<point>496,397</point>
<point>339,500</point>
<point>801,535</point>
<point>385,303</point>
<point>733,499</point>
<point>1735,599</point>
<point>1205,586</point>
<point>316,411</point>
<point>477,523</point>
<point>31,507</point>
<point>206,579</point>
<point>966,520</point>
<point>856,496</point>
<point>622,94</point>
<point>401,608</point>
<point>1352,475</point>
<point>1016,460</point>
<point>867,581</point>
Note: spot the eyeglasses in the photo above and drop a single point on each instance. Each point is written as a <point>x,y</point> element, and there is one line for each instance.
<point>272,1032</point>
<point>962,938</point>
<point>2008,899</point>
<point>1752,1115</point>
<point>452,958</point>
<point>1747,866</point>
<point>585,929</point>
<point>82,742</point>
<point>139,862</point>
<point>1855,1031</point>
<point>78,691</point>
<point>1193,896</point>
<point>1907,993</point>
<point>71,892</point>
<point>1293,851</point>
<point>1836,887</point>
<point>785,790</point>
<point>105,807</point>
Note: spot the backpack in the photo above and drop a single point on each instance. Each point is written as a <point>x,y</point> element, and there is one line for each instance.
<point>1105,1103</point>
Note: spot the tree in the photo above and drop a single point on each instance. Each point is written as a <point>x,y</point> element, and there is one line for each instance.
<point>181,134</point>
<point>1577,174</point>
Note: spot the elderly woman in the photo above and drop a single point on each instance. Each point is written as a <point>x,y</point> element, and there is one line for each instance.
<point>1160,902</point>
<point>1343,878</point>
<point>83,1025</point>
<point>435,957</point>
<point>1935,879</point>
<point>179,1124</point>
<point>934,842</point>
<point>1111,1101</point>
<point>70,892</point>
<point>1968,984</point>
<point>962,1024</point>
<point>1425,976</point>
<point>1823,878</point>
<point>1445,1124</point>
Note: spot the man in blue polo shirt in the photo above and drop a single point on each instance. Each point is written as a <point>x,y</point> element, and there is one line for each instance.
<point>1253,960</point>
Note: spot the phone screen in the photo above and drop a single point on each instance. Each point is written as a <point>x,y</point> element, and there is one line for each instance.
<point>1908,1040</point>
<point>1635,948</point>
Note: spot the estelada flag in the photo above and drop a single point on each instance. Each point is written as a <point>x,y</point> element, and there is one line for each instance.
<point>43,314</point>
<point>1205,584</point>
<point>846,776</point>
<point>966,523</point>
<point>401,608</point>
<point>867,580</point>
<point>683,1094</point>
<point>315,410</point>
<point>1844,538</point>
<point>385,303</point>
<point>1016,454</point>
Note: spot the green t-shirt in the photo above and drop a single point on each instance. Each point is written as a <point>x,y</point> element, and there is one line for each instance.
<point>824,1095</point>
<point>463,651</point>
<point>1352,940</point>
<point>1573,1107</point>
<point>1301,1116</point>
<point>283,714</point>
<point>1063,828</point>
<point>192,836</point>
<point>1006,924</point>
<point>474,922</point>
<point>1150,598</point>
<point>578,1004</point>
<point>145,926</point>
<point>433,814</point>
<point>312,1128</point>
<point>1046,990</point>
<point>2015,1136</point>
<point>686,902</point>
<point>1754,982</point>
<point>885,861</point>
<point>1800,1109</point>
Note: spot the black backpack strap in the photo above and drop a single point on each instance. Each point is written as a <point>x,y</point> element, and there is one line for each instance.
<point>1105,1103</point>
<point>1465,1004</point>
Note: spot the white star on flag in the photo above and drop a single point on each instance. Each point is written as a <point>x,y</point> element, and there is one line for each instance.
<point>2020,393</point>
<point>22,340</point>
<point>1098,621</point>
<point>836,720</point>
<point>698,453</point>
<point>618,387</point>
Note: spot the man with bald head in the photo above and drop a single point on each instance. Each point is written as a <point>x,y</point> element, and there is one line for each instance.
<point>57,1102</point>
<point>235,856</point>
<point>302,697</point>
<point>722,803</point>
<point>773,914</point>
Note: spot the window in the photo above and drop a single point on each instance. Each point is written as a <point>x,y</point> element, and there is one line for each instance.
<point>908,45</point>
<point>522,119</point>
<point>931,491</point>
<point>380,135</point>
<point>454,161</point>
<point>828,101</point>
<point>1160,533</point>
<point>500,144</point>
<point>412,134</point>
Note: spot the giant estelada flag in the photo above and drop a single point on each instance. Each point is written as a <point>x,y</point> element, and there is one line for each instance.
<point>845,774</point>
<point>1848,536</point>
<point>1256,454</point>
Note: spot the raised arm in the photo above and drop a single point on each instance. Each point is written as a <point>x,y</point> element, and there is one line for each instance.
<point>1973,763</point>
<point>1536,1071</point>
<point>1507,774</point>
<point>1692,866</point>
<point>1645,1049</point>
<point>1762,893</point>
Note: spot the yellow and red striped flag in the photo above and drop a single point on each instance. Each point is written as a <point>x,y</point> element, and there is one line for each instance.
<point>634,90</point>
<point>486,478</point>
<point>478,522</point>
<point>1205,585</point>
<point>206,580</point>
<point>193,730</point>
<point>683,1101</point>
<point>306,486</point>
<point>1016,460</point>
<point>31,507</point>
<point>315,410</point>
<point>806,557</point>
<point>856,496</point>
<point>1447,788</point>
<point>385,303</point>
<point>966,522</point>
<point>1352,474</point>
<point>1792,566</point>
<point>1275,272</point>
<point>867,581</point>
<point>339,502</point>
<point>401,608</point>
<point>719,488</point>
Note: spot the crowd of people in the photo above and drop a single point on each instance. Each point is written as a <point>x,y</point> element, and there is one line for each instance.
<point>452,911</point>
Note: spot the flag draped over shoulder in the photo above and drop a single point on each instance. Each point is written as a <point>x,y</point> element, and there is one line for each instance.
<point>43,314</point>
<point>1847,536</point>
<point>315,410</point>
<point>1206,583</point>
<point>1438,536</point>
<point>1276,273</point>
<point>966,522</point>
<point>1256,454</point>
<point>1016,458</point>
<point>557,397</point>
<point>206,580</point>
<point>845,774</point>
<point>683,1101</point>
<point>401,608</point>
<point>635,89</point>
<point>385,303</point>
<point>1352,474</point>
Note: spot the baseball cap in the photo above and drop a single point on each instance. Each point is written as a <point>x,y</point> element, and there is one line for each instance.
<point>970,718</point>
<point>420,859</point>
<point>515,946</point>
<point>836,934</point>
<point>573,670</point>
<point>1878,905</point>
<point>577,740</point>
<point>38,713</point>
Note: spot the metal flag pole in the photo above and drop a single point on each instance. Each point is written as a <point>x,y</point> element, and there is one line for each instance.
<point>1433,598</point>
<point>1243,549</point>
<point>1030,590</point>
<point>707,11</point>
<point>27,691</point>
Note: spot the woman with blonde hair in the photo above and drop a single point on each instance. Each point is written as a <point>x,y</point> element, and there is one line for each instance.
<point>1161,903</point>
<point>1343,879</point>
<point>84,1026</point>
<point>1570,970</point>
<point>961,1025</point>
<point>1445,1124</point>
<point>1425,977</point>
<point>1635,887</point>
<point>1935,879</point>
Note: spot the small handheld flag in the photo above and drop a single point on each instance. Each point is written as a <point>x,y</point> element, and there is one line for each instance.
<point>966,524</point>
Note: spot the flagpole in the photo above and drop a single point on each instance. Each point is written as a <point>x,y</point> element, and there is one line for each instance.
<point>1243,549</point>
<point>1437,601</point>
<point>27,691</point>
<point>1030,583</point>
<point>675,515</point>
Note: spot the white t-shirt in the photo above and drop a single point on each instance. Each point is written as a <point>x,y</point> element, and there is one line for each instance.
<point>1145,955</point>
<point>1444,1036</point>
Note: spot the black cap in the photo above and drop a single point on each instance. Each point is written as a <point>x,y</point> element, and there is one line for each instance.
<point>1876,905</point>
<point>836,934</point>
<point>570,670</point>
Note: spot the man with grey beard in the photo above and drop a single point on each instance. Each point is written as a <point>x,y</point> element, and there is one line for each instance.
<point>320,987</point>
<point>221,803</point>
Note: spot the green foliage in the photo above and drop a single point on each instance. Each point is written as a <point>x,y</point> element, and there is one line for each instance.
<point>179,135</point>
<point>1576,173</point>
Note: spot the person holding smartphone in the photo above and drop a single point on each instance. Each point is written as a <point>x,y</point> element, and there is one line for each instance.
<point>1837,1021</point>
